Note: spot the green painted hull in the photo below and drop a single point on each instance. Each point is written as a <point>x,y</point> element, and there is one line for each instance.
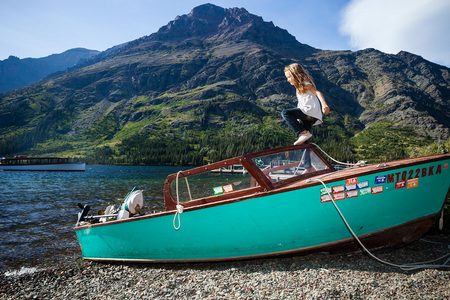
<point>276,223</point>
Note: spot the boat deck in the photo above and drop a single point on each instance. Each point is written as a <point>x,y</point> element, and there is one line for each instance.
<point>367,169</point>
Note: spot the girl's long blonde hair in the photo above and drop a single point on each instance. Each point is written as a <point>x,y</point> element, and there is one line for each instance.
<point>300,75</point>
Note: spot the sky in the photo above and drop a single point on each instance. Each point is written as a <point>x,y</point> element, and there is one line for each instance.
<point>38,28</point>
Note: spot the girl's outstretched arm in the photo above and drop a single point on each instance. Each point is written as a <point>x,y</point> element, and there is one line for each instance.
<point>325,107</point>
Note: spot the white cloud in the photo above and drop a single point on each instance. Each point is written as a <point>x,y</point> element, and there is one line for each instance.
<point>417,26</point>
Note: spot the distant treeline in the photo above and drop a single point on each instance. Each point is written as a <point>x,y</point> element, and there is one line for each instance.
<point>190,147</point>
<point>380,142</point>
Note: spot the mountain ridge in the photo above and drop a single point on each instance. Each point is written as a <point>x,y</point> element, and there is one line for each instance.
<point>17,73</point>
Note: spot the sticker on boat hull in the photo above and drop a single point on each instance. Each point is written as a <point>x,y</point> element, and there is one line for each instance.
<point>325,191</point>
<point>325,198</point>
<point>380,179</point>
<point>365,191</point>
<point>338,189</point>
<point>352,194</point>
<point>339,196</point>
<point>350,187</point>
<point>377,189</point>
<point>353,180</point>
<point>400,184</point>
<point>413,183</point>
<point>406,178</point>
<point>363,184</point>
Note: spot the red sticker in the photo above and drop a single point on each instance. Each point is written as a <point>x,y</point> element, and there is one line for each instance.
<point>352,181</point>
<point>445,165</point>
<point>400,184</point>
<point>228,188</point>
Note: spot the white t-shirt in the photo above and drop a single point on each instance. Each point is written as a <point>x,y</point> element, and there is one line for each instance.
<point>310,106</point>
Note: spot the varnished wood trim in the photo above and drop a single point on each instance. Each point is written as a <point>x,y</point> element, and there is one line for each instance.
<point>371,169</point>
<point>256,173</point>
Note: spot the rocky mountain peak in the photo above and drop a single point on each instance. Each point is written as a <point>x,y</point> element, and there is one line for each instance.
<point>210,20</point>
<point>209,12</point>
<point>205,20</point>
<point>209,25</point>
<point>12,58</point>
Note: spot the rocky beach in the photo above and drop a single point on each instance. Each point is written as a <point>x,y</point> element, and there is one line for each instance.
<point>316,276</point>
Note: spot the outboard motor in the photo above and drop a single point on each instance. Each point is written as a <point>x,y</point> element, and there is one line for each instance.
<point>83,213</point>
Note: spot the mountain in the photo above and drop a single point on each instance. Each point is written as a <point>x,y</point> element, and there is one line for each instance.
<point>17,73</point>
<point>210,84</point>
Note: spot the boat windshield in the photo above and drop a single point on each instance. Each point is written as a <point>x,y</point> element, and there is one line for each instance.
<point>281,166</point>
<point>243,176</point>
<point>213,183</point>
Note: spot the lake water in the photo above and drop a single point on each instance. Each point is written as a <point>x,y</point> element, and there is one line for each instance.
<point>39,209</point>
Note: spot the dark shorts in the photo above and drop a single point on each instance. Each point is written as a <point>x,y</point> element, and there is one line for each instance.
<point>297,120</point>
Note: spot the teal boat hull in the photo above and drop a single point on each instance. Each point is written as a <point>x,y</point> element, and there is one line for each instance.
<point>289,220</point>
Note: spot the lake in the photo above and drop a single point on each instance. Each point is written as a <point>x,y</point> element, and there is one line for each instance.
<point>38,210</point>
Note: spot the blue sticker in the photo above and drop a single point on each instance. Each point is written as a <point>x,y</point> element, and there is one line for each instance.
<point>363,184</point>
<point>350,187</point>
<point>380,179</point>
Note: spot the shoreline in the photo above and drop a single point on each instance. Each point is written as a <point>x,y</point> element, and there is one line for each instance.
<point>314,276</point>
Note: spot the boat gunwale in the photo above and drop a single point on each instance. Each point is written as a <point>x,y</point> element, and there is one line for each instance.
<point>408,162</point>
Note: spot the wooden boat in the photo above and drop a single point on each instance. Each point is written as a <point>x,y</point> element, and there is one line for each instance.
<point>278,207</point>
<point>24,163</point>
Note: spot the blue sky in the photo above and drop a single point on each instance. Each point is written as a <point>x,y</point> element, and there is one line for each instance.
<point>42,27</point>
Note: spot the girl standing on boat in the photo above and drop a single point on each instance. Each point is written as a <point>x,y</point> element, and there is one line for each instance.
<point>311,103</point>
